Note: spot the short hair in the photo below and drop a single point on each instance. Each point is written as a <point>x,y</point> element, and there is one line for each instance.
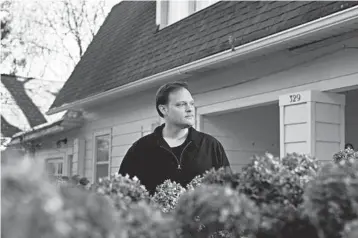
<point>349,145</point>
<point>162,96</point>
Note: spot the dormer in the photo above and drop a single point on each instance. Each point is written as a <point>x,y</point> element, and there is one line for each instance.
<point>171,11</point>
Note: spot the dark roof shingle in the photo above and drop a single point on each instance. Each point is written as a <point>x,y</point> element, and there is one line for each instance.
<point>129,47</point>
<point>24,102</point>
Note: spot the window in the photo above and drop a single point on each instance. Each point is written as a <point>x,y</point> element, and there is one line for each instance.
<point>171,11</point>
<point>54,166</point>
<point>101,155</point>
<point>69,165</point>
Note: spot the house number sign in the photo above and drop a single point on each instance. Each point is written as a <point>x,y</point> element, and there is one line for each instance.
<point>295,98</point>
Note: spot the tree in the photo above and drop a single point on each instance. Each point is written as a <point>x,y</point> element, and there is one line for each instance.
<point>46,39</point>
<point>9,42</point>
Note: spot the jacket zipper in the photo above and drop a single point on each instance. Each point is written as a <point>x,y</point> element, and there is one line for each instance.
<point>181,155</point>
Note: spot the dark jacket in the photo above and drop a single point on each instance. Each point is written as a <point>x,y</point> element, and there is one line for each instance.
<point>150,159</point>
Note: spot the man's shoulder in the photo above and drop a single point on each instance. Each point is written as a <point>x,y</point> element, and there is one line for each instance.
<point>145,140</point>
<point>206,138</point>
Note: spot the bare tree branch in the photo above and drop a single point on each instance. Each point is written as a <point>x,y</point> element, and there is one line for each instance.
<point>52,31</point>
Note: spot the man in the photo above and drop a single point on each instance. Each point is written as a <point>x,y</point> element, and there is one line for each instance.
<point>175,150</point>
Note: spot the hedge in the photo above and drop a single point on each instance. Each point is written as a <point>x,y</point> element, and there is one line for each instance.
<point>273,197</point>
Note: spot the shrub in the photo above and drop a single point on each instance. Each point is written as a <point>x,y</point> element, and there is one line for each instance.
<point>331,198</point>
<point>195,182</point>
<point>347,154</point>
<point>304,166</point>
<point>167,194</point>
<point>350,229</point>
<point>212,208</point>
<point>266,180</point>
<point>219,176</point>
<point>122,190</point>
<point>277,186</point>
<point>143,220</point>
<point>282,221</point>
<point>88,214</point>
<point>30,204</point>
<point>75,180</point>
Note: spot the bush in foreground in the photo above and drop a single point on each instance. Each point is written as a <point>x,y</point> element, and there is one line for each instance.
<point>270,204</point>
<point>266,180</point>
<point>32,206</point>
<point>331,199</point>
<point>221,176</point>
<point>122,190</point>
<point>345,155</point>
<point>167,194</point>
<point>277,186</point>
<point>212,208</point>
<point>144,220</point>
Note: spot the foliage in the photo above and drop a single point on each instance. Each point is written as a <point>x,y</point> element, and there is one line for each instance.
<point>212,208</point>
<point>167,195</point>
<point>346,154</point>
<point>277,186</point>
<point>195,182</point>
<point>302,165</point>
<point>266,180</point>
<point>143,220</point>
<point>281,221</point>
<point>330,200</point>
<point>122,190</point>
<point>350,229</point>
<point>30,205</point>
<point>271,198</point>
<point>88,214</point>
<point>221,176</point>
<point>74,180</point>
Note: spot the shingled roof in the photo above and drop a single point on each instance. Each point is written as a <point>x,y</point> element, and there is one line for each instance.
<point>129,47</point>
<point>24,102</point>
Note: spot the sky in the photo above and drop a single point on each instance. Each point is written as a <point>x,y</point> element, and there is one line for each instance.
<point>52,67</point>
<point>49,80</point>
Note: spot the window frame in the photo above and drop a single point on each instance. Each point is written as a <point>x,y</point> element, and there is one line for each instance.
<point>69,158</point>
<point>57,160</point>
<point>162,11</point>
<point>95,162</point>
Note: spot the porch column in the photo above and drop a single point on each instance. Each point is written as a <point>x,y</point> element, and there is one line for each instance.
<point>312,122</point>
<point>78,160</point>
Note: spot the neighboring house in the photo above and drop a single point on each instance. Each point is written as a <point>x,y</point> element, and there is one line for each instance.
<point>24,102</point>
<point>266,76</point>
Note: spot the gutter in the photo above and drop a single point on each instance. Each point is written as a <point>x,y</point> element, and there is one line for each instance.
<point>322,25</point>
<point>43,130</point>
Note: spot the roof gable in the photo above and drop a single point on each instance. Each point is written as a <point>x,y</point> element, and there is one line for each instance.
<point>129,46</point>
<point>24,102</point>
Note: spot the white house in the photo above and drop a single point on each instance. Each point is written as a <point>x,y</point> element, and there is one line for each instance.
<point>24,103</point>
<point>266,76</point>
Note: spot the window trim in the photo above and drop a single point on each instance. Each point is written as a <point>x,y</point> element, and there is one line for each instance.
<point>69,165</point>
<point>60,159</point>
<point>94,154</point>
<point>162,11</point>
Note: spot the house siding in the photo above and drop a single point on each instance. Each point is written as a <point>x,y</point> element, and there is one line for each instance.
<point>49,149</point>
<point>244,132</point>
<point>132,118</point>
<point>278,71</point>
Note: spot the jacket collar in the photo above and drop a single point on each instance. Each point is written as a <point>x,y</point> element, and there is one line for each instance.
<point>193,135</point>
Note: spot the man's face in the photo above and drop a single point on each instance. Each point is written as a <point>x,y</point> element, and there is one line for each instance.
<point>180,110</point>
